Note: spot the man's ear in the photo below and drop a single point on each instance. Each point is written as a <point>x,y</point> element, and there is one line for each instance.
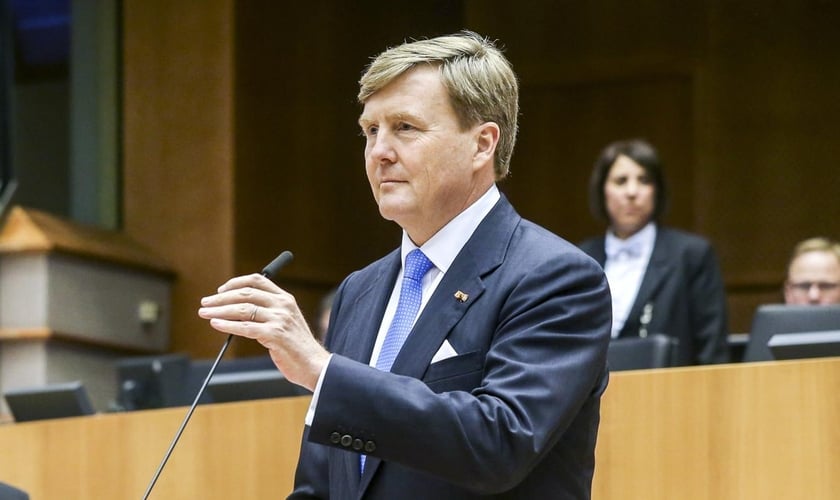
<point>487,137</point>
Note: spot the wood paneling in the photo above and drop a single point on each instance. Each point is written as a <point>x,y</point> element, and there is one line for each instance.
<point>756,430</point>
<point>563,128</point>
<point>178,149</point>
<point>299,178</point>
<point>745,130</point>
<point>233,450</point>
<point>767,127</point>
<point>241,140</point>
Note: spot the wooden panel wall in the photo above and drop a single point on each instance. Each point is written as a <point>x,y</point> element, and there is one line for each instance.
<point>178,149</point>
<point>300,182</point>
<point>245,449</point>
<point>591,75</point>
<point>241,138</point>
<point>739,99</point>
<point>767,138</point>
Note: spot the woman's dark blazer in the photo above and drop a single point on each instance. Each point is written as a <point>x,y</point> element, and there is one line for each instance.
<point>682,291</point>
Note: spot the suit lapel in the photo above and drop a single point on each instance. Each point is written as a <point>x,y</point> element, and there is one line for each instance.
<point>599,252</point>
<point>366,311</point>
<point>431,328</point>
<point>658,268</point>
<point>441,313</point>
<point>364,319</point>
<point>483,252</point>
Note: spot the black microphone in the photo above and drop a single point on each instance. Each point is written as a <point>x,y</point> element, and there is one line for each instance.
<point>269,272</point>
<point>278,263</point>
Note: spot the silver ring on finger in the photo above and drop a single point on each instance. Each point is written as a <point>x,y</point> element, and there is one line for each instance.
<point>254,313</point>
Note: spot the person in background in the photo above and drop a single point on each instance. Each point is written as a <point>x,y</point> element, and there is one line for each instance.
<point>470,361</point>
<point>813,274</point>
<point>662,280</point>
<point>322,316</point>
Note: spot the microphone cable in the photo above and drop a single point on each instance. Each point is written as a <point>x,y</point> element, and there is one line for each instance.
<point>269,272</point>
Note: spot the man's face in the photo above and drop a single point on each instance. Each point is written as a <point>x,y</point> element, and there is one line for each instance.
<point>628,196</point>
<point>813,278</point>
<point>423,168</point>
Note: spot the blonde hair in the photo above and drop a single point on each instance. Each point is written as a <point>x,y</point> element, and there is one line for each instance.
<point>480,81</point>
<point>818,244</point>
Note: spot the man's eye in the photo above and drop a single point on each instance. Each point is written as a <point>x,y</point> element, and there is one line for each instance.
<point>370,131</point>
<point>404,126</point>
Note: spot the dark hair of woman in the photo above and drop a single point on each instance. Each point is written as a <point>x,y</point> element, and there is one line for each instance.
<point>641,152</point>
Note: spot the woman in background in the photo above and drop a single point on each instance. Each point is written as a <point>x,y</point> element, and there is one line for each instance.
<point>662,280</point>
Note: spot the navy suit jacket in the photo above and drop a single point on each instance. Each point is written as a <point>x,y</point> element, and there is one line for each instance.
<point>9,492</point>
<point>683,292</point>
<point>514,415</point>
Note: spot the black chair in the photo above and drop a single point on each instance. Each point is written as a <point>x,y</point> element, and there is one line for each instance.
<point>8,492</point>
<point>201,367</point>
<point>639,353</point>
<point>59,400</point>
<point>771,319</point>
<point>155,381</point>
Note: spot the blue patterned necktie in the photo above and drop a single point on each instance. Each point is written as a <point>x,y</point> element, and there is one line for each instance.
<point>416,266</point>
<point>411,292</point>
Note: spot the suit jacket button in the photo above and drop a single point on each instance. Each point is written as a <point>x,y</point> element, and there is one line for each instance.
<point>335,438</point>
<point>357,444</point>
<point>346,440</point>
<point>370,447</point>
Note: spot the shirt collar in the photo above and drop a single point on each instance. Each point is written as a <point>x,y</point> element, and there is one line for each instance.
<point>444,246</point>
<point>637,245</point>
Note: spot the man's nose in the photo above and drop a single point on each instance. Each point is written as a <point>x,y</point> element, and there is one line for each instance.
<point>381,148</point>
<point>814,293</point>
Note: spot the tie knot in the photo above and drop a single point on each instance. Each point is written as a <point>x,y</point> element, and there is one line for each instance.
<point>416,265</point>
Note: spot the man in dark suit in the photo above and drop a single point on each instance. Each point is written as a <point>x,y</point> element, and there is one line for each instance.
<point>495,392</point>
<point>9,492</point>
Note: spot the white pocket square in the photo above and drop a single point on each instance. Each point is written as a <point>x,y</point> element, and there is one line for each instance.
<point>445,352</point>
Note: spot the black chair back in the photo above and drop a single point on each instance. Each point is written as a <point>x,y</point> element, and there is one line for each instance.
<point>639,353</point>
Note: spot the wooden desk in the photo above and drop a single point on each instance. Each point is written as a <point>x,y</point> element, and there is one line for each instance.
<point>741,431</point>
<point>235,450</point>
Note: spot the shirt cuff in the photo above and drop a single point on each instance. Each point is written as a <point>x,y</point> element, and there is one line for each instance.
<point>313,404</point>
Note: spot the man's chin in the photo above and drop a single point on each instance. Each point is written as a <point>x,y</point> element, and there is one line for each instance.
<point>392,211</point>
